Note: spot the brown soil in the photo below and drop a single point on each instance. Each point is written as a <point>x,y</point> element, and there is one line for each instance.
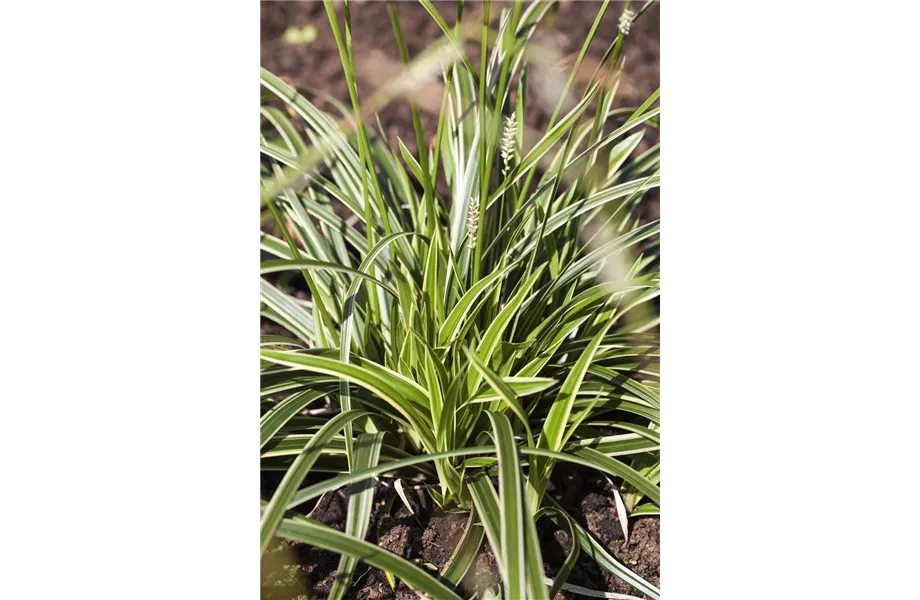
<point>293,570</point>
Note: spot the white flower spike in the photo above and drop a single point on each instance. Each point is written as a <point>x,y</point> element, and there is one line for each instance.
<point>472,221</point>
<point>626,20</point>
<point>509,143</point>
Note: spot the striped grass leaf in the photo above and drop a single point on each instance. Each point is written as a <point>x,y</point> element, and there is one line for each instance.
<point>620,445</point>
<point>583,591</point>
<point>485,500</point>
<point>316,490</point>
<point>276,380</point>
<point>316,245</point>
<point>414,167</point>
<point>434,282</point>
<point>503,390</point>
<point>334,463</point>
<point>596,551</point>
<point>285,129</point>
<point>566,215</point>
<point>386,384</point>
<point>278,266</point>
<point>319,287</point>
<point>326,136</point>
<point>623,150</point>
<point>639,391</point>
<point>274,511</point>
<point>554,426</point>
<point>518,386</point>
<point>474,377</point>
<point>326,361</point>
<point>463,555</point>
<point>609,465</point>
<point>644,106</point>
<point>645,432</point>
<point>651,472</point>
<point>621,402</point>
<point>288,445</point>
<point>549,347</point>
<point>553,432</point>
<point>571,558</point>
<point>609,138</point>
<point>285,312</point>
<point>360,503</point>
<point>609,446</point>
<point>592,259</point>
<point>451,326</point>
<point>536,582</point>
<point>279,340</point>
<point>275,419</point>
<point>322,536</point>
<point>278,154</point>
<point>552,137</point>
<point>647,162</point>
<point>450,35</point>
<point>512,549</point>
<point>518,545</point>
<point>500,323</point>
<point>348,319</point>
<point>646,510</point>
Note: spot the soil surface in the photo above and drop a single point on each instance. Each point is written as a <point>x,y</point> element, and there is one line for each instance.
<point>291,570</point>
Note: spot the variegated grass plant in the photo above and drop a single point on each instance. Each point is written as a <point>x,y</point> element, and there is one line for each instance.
<point>474,340</point>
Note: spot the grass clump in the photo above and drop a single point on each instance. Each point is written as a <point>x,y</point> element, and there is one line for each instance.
<point>487,333</point>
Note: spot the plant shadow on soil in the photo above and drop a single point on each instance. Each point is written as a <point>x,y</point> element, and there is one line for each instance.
<point>293,570</point>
